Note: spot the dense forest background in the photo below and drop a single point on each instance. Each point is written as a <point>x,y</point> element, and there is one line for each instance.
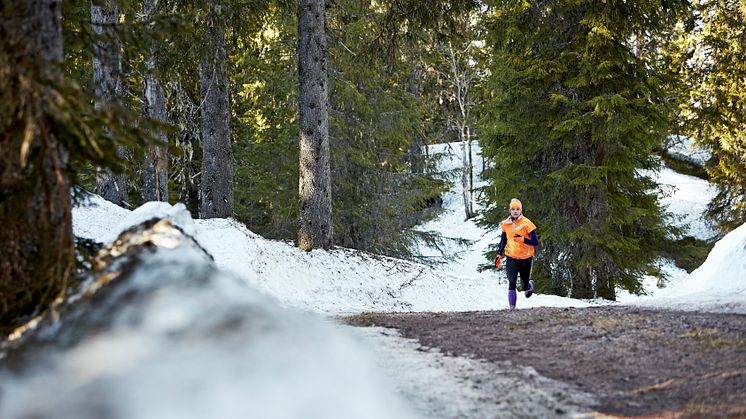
<point>310,122</point>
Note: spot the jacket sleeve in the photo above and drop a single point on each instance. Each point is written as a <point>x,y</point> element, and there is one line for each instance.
<point>533,240</point>
<point>503,242</point>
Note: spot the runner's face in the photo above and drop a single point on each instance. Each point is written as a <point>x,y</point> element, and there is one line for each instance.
<point>515,211</point>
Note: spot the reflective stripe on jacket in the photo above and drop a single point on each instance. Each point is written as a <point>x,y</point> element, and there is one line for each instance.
<point>515,232</point>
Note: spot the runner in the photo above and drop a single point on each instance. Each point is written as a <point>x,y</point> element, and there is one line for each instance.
<point>517,244</point>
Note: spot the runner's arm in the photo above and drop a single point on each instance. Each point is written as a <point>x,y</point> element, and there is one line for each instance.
<point>503,242</point>
<point>532,240</point>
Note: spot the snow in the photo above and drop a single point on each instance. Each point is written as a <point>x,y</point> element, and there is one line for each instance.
<point>683,147</point>
<point>197,348</point>
<point>719,284</point>
<point>330,370</point>
<point>344,281</point>
<point>687,198</point>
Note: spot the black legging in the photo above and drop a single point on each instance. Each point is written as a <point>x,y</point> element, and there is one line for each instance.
<point>516,266</point>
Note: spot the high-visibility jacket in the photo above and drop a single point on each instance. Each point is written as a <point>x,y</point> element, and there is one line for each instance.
<point>515,231</point>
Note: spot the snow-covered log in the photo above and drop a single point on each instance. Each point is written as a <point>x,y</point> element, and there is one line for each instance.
<point>161,332</point>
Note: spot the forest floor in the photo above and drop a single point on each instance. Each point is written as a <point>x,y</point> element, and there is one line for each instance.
<point>634,362</point>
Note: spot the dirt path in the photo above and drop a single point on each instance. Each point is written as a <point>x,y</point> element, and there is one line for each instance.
<point>635,362</point>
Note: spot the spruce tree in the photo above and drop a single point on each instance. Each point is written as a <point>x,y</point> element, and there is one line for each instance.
<point>715,112</point>
<point>217,148</point>
<point>373,119</point>
<point>315,192</point>
<point>36,258</point>
<point>155,164</point>
<point>571,120</point>
<point>107,89</point>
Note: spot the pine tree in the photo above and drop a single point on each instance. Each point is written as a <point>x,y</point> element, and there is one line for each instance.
<point>571,122</point>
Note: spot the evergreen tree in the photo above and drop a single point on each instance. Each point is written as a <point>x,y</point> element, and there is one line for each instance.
<point>715,112</point>
<point>264,72</point>
<point>155,164</point>
<point>217,149</point>
<point>106,74</point>
<point>572,118</point>
<point>315,192</point>
<point>373,120</point>
<point>36,258</point>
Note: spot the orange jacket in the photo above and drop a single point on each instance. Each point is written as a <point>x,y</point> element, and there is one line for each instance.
<point>515,232</point>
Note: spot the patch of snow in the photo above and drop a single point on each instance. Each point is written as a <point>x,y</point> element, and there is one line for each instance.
<point>718,285</point>
<point>200,343</point>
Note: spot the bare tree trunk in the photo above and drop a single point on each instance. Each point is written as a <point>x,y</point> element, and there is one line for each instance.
<point>155,165</point>
<point>470,166</point>
<point>315,201</point>
<point>466,172</point>
<point>415,153</point>
<point>106,62</point>
<point>461,84</point>
<point>36,256</point>
<point>217,152</point>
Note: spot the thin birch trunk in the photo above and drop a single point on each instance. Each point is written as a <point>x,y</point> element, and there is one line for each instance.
<point>461,80</point>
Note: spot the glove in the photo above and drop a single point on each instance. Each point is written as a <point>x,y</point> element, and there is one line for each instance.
<point>498,261</point>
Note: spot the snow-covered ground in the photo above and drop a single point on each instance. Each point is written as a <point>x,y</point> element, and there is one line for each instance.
<point>308,288</point>
<point>343,281</point>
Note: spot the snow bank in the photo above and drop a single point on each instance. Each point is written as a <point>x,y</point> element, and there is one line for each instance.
<point>176,338</point>
<point>718,285</point>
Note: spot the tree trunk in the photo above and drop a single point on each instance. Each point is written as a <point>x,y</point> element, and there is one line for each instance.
<point>155,165</point>
<point>466,172</point>
<point>471,171</point>
<point>315,201</point>
<point>605,288</point>
<point>217,152</point>
<point>461,85</point>
<point>415,153</point>
<point>582,283</point>
<point>106,62</point>
<point>36,256</point>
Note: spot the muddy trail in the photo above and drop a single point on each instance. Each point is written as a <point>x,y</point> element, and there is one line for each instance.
<point>636,362</point>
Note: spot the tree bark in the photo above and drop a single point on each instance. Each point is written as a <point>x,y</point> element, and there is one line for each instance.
<point>315,198</point>
<point>466,174</point>
<point>217,152</point>
<point>106,63</point>
<point>36,256</point>
<point>415,152</point>
<point>155,165</point>
<point>461,86</point>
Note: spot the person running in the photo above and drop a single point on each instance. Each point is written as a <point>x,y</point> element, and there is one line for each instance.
<point>517,243</point>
